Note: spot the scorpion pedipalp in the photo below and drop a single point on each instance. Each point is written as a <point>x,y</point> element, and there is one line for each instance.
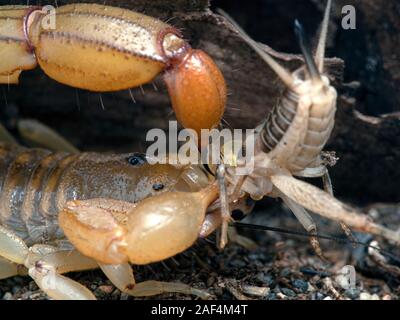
<point>103,48</point>
<point>122,232</point>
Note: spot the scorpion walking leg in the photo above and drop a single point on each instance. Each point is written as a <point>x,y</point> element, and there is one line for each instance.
<point>324,204</point>
<point>8,268</point>
<point>13,252</point>
<point>308,223</point>
<point>45,271</point>
<point>12,247</point>
<point>224,202</point>
<point>46,263</point>
<point>122,277</point>
<point>38,134</point>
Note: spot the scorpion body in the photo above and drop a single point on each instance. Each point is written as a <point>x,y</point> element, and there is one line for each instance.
<point>35,185</point>
<point>38,189</point>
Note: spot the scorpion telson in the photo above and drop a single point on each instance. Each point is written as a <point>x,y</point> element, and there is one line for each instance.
<point>102,48</point>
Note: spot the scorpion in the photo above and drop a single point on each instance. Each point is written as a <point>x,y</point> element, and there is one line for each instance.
<point>65,212</point>
<point>36,184</point>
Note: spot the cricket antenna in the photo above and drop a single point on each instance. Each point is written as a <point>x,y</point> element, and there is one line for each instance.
<point>320,53</point>
<point>280,71</point>
<point>306,50</point>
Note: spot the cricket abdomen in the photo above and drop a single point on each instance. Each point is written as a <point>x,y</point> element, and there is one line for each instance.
<point>279,120</point>
<point>319,128</point>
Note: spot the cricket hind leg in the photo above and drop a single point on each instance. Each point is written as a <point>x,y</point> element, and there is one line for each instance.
<point>122,277</point>
<point>321,202</point>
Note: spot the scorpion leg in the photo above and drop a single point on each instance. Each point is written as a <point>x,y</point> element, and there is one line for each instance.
<point>8,268</point>
<point>122,277</point>
<point>308,223</point>
<point>45,274</point>
<point>6,136</point>
<point>323,203</point>
<point>46,263</point>
<point>12,247</point>
<point>38,134</point>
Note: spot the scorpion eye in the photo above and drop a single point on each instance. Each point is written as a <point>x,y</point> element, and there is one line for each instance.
<point>158,186</point>
<point>136,159</point>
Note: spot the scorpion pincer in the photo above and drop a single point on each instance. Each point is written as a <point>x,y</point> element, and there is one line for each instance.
<point>103,48</point>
